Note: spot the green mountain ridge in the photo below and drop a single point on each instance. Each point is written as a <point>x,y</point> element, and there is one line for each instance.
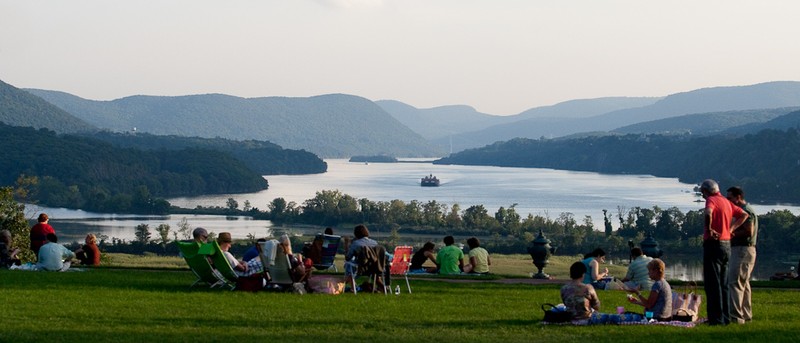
<point>20,108</point>
<point>333,125</point>
<point>708,123</point>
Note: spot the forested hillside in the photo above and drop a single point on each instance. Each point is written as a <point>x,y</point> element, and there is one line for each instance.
<point>90,174</point>
<point>262,157</point>
<point>766,164</point>
<point>20,108</point>
<point>333,125</point>
<point>708,123</point>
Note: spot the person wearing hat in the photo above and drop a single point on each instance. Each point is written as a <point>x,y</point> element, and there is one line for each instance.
<point>240,267</point>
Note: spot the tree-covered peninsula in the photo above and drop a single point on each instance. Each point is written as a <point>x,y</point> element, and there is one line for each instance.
<point>81,172</point>
<point>766,164</point>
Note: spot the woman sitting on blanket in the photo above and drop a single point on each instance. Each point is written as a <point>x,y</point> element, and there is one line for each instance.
<point>659,301</point>
<point>579,298</point>
<point>593,275</point>
<point>241,268</point>
<point>421,256</point>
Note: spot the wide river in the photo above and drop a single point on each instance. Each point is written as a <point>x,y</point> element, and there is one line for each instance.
<point>544,192</point>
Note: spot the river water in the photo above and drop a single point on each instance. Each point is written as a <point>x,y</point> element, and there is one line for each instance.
<point>544,192</point>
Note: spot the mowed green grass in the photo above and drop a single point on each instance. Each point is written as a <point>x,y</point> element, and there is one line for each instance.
<point>515,266</point>
<point>107,305</point>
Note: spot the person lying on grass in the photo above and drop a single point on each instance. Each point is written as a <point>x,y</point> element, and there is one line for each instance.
<point>579,298</point>
<point>659,301</point>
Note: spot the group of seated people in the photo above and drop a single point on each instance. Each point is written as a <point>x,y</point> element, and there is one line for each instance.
<point>581,300</point>
<point>250,264</point>
<point>51,256</point>
<point>450,258</point>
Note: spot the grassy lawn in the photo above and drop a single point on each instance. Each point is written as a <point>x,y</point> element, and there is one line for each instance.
<point>131,305</point>
<point>506,265</point>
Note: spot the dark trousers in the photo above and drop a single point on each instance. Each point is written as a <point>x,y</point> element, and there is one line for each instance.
<point>715,278</point>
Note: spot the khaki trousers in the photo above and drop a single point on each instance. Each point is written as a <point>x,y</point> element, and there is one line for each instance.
<point>743,259</point>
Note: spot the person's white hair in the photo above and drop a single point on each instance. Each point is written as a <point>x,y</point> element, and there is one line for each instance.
<point>710,186</point>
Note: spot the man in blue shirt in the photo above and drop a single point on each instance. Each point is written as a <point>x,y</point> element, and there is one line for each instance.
<point>54,256</point>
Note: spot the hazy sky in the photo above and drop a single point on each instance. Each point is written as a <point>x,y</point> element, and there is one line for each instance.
<point>502,57</point>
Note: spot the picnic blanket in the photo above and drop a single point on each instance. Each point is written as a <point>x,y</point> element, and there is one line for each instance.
<point>622,319</point>
<point>642,322</point>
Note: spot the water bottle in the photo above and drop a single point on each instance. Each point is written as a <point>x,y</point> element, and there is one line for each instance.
<point>397,290</point>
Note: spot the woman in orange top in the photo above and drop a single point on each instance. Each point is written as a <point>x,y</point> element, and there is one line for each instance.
<point>89,254</point>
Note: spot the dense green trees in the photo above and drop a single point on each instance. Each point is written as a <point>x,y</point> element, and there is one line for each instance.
<point>262,157</point>
<point>675,231</point>
<point>86,173</point>
<point>12,218</point>
<point>766,164</point>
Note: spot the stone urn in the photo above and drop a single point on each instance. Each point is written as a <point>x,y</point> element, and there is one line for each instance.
<point>540,252</point>
<point>650,247</point>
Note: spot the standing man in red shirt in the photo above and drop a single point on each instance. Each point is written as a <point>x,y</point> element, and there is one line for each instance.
<point>39,233</point>
<point>717,250</point>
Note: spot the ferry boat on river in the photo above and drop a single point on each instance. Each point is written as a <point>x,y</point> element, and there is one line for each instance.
<point>429,181</point>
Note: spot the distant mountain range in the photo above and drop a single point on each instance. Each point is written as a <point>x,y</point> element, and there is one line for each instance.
<point>607,114</point>
<point>339,125</point>
<point>334,125</point>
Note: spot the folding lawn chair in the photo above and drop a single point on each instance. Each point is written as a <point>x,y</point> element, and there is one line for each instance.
<point>199,265</point>
<point>276,263</point>
<point>371,262</point>
<point>402,263</point>
<point>220,263</point>
<point>330,245</point>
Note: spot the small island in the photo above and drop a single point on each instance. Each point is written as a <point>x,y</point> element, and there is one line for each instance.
<point>374,158</point>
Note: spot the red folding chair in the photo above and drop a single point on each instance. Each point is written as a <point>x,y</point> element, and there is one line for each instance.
<point>402,263</point>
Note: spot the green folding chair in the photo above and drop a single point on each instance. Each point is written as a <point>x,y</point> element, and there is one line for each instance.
<point>220,263</point>
<point>199,265</point>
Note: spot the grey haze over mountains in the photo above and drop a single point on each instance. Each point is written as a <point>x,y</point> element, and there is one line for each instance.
<point>338,125</point>
<point>607,114</point>
<point>334,125</point>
